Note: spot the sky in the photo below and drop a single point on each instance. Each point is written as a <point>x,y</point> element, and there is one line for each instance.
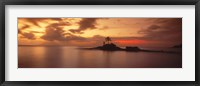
<point>90,32</point>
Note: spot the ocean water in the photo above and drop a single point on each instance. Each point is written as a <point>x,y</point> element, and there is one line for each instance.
<point>72,57</point>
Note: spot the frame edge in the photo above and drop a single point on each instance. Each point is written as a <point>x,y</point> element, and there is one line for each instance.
<point>197,36</point>
<point>2,41</point>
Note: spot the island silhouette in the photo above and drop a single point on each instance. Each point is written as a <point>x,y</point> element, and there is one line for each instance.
<point>177,46</point>
<point>109,46</point>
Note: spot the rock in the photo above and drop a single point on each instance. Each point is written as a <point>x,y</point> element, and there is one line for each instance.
<point>132,49</point>
<point>109,47</point>
<point>113,47</point>
<point>177,46</point>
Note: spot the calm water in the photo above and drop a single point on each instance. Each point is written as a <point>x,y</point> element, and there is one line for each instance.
<point>71,57</point>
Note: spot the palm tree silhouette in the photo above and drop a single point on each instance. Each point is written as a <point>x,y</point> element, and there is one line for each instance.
<point>108,40</point>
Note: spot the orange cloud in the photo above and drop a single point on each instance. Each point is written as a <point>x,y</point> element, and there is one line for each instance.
<point>123,31</point>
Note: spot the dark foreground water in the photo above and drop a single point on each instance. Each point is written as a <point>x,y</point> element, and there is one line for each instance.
<point>71,57</point>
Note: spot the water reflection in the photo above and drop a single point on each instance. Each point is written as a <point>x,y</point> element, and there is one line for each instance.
<point>71,57</point>
<point>53,57</point>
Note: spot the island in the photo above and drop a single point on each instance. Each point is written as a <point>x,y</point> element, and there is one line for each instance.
<point>109,46</point>
<point>177,46</point>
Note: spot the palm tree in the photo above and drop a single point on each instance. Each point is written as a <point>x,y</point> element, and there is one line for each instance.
<point>108,40</point>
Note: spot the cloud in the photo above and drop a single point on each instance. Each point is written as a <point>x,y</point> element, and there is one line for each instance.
<point>35,21</point>
<point>154,31</point>
<point>19,31</point>
<point>104,27</point>
<point>169,29</point>
<point>151,28</point>
<point>36,32</point>
<point>58,25</point>
<point>55,32</point>
<point>28,35</point>
<point>24,27</point>
<point>85,23</point>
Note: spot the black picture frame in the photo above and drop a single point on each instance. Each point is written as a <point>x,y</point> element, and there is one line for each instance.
<point>98,2</point>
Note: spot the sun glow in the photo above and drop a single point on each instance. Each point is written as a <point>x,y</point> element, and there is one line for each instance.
<point>90,31</point>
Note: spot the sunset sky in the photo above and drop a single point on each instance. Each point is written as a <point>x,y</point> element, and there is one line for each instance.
<point>88,32</point>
